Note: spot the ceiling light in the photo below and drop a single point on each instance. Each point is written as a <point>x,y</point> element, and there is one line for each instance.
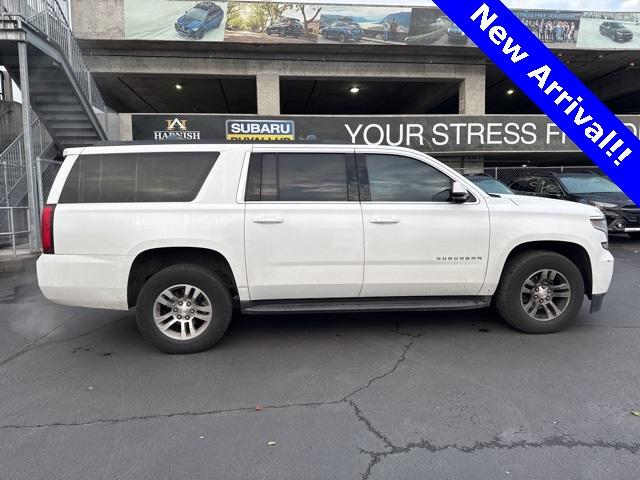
<point>511,91</point>
<point>178,86</point>
<point>354,90</point>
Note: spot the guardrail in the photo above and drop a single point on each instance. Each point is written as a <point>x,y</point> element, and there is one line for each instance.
<point>15,230</point>
<point>47,18</point>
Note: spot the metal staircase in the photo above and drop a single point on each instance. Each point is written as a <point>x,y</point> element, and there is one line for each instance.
<point>62,91</point>
<point>13,169</point>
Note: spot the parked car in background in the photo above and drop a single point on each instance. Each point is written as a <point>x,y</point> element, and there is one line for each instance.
<point>456,35</point>
<point>205,16</point>
<point>182,231</point>
<point>489,184</point>
<point>286,27</point>
<point>616,31</point>
<point>623,216</point>
<point>343,32</point>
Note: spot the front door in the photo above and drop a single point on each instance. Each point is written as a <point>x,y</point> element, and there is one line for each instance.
<point>417,242</point>
<point>303,226</point>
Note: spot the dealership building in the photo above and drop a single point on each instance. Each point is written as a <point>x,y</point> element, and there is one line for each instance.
<point>155,70</point>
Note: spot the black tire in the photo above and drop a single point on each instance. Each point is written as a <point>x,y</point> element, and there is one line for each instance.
<point>508,299</point>
<point>199,34</point>
<point>342,38</point>
<point>211,285</point>
<point>635,235</point>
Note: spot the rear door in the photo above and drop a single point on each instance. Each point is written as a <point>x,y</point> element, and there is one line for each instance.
<point>303,225</point>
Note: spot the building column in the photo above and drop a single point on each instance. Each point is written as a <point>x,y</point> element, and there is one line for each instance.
<point>29,158</point>
<point>126,127</point>
<point>473,164</point>
<point>268,93</point>
<point>472,92</point>
<point>472,102</point>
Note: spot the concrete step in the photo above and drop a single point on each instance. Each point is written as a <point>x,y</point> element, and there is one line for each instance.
<point>23,261</point>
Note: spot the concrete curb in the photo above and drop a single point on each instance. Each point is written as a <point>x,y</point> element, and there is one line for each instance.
<point>20,263</point>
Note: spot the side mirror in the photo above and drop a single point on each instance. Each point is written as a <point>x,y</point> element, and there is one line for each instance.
<point>459,193</point>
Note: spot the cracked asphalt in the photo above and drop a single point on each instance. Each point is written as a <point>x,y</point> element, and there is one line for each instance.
<point>453,395</point>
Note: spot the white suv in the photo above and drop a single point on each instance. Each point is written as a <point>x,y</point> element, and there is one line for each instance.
<point>179,231</point>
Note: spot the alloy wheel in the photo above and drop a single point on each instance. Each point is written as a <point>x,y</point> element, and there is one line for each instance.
<point>182,312</point>
<point>545,295</point>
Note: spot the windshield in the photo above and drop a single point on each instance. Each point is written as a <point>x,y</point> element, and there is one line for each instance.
<point>196,14</point>
<point>617,25</point>
<point>491,185</point>
<point>588,184</point>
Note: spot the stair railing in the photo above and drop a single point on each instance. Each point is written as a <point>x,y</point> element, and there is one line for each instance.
<point>47,18</point>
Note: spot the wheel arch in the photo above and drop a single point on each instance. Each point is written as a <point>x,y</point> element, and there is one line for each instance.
<point>151,261</point>
<point>573,251</point>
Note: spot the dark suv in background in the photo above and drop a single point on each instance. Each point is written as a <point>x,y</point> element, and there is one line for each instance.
<point>286,27</point>
<point>616,31</point>
<point>623,216</point>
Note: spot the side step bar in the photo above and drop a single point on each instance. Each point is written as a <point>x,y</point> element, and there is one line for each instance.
<point>382,304</point>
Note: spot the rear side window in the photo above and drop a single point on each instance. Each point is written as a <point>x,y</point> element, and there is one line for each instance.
<point>301,177</point>
<point>137,177</point>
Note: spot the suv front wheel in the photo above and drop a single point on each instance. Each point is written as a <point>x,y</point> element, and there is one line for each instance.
<point>184,309</point>
<point>540,292</point>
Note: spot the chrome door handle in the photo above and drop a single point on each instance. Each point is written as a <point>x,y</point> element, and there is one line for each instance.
<point>384,220</point>
<point>267,220</point>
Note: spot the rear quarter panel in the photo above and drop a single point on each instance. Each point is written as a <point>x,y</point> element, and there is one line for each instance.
<point>214,220</point>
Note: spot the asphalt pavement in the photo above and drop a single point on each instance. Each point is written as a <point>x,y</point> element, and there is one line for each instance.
<point>405,396</point>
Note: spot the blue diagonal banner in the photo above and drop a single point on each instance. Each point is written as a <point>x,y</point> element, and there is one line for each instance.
<point>551,86</point>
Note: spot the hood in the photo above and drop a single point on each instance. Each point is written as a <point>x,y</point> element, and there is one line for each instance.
<point>185,22</point>
<point>619,198</point>
<point>551,205</point>
<point>621,29</point>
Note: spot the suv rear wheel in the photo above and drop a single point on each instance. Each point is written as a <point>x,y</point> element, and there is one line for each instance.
<point>540,292</point>
<point>184,309</point>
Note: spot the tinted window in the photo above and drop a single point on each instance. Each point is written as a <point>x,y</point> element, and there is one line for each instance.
<point>312,177</point>
<point>400,179</point>
<point>526,185</point>
<point>137,177</point>
<point>588,184</point>
<point>298,177</point>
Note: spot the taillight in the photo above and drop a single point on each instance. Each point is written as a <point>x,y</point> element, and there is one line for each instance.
<point>47,228</point>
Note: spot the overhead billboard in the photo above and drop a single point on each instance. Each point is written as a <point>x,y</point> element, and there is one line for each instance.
<point>444,134</point>
<point>284,22</point>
